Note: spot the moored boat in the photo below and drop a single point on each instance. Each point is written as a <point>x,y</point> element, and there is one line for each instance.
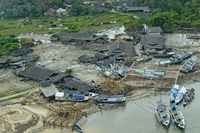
<point>177,116</point>
<point>162,114</point>
<point>110,99</point>
<point>177,93</point>
<point>77,96</point>
<point>189,96</point>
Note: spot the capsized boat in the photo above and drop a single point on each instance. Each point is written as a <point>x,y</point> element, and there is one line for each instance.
<point>177,116</point>
<point>177,93</point>
<point>189,96</point>
<point>110,99</point>
<point>162,114</point>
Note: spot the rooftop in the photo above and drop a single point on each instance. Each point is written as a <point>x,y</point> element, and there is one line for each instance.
<point>126,47</point>
<point>49,91</point>
<point>155,30</point>
<point>135,9</point>
<point>153,42</point>
<point>36,73</point>
<point>75,36</point>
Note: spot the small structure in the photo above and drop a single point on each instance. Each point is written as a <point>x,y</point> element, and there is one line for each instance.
<point>155,30</point>
<point>76,84</point>
<point>76,38</point>
<point>36,73</point>
<point>125,47</point>
<point>50,12</point>
<point>144,9</point>
<point>61,11</point>
<point>153,42</point>
<point>49,91</point>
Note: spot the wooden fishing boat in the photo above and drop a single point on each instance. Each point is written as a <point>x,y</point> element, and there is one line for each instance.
<point>110,99</point>
<point>177,93</point>
<point>177,116</point>
<point>163,114</point>
<point>189,96</point>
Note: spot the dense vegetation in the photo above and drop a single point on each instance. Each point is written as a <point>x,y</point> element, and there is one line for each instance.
<point>168,14</point>
<point>35,8</point>
<point>71,24</point>
<point>173,13</point>
<point>8,44</point>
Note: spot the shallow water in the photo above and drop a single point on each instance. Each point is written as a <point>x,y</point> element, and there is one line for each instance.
<point>138,117</point>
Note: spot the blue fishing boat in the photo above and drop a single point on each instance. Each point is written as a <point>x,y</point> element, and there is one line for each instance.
<point>177,94</point>
<point>77,96</point>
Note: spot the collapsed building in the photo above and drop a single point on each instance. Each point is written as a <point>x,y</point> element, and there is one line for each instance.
<point>77,38</point>
<point>43,76</point>
<point>153,42</point>
<point>72,83</point>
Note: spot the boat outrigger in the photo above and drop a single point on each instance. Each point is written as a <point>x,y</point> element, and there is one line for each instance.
<point>162,114</point>
<point>177,116</point>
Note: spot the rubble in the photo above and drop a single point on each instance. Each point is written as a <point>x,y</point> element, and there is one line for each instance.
<point>77,38</point>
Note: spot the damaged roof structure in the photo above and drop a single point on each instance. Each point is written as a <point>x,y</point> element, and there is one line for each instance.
<point>150,42</point>
<point>125,47</point>
<point>76,84</point>
<point>77,38</point>
<point>144,9</point>
<point>36,73</point>
<point>43,76</point>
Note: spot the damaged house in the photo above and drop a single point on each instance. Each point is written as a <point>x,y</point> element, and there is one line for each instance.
<point>124,47</point>
<point>77,38</point>
<point>43,76</point>
<point>153,42</point>
<point>78,85</point>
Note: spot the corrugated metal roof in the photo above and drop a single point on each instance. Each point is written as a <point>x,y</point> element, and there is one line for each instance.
<point>49,91</point>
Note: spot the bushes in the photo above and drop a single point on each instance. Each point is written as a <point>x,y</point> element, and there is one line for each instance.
<point>8,44</point>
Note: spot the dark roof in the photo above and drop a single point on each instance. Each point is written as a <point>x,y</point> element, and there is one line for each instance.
<point>126,47</point>
<point>73,83</point>
<point>58,77</point>
<point>153,42</point>
<point>36,73</point>
<point>64,36</point>
<point>136,9</point>
<point>155,30</point>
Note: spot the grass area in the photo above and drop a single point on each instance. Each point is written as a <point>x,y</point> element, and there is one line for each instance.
<point>70,24</point>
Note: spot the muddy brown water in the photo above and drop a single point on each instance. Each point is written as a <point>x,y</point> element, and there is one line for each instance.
<point>139,117</point>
